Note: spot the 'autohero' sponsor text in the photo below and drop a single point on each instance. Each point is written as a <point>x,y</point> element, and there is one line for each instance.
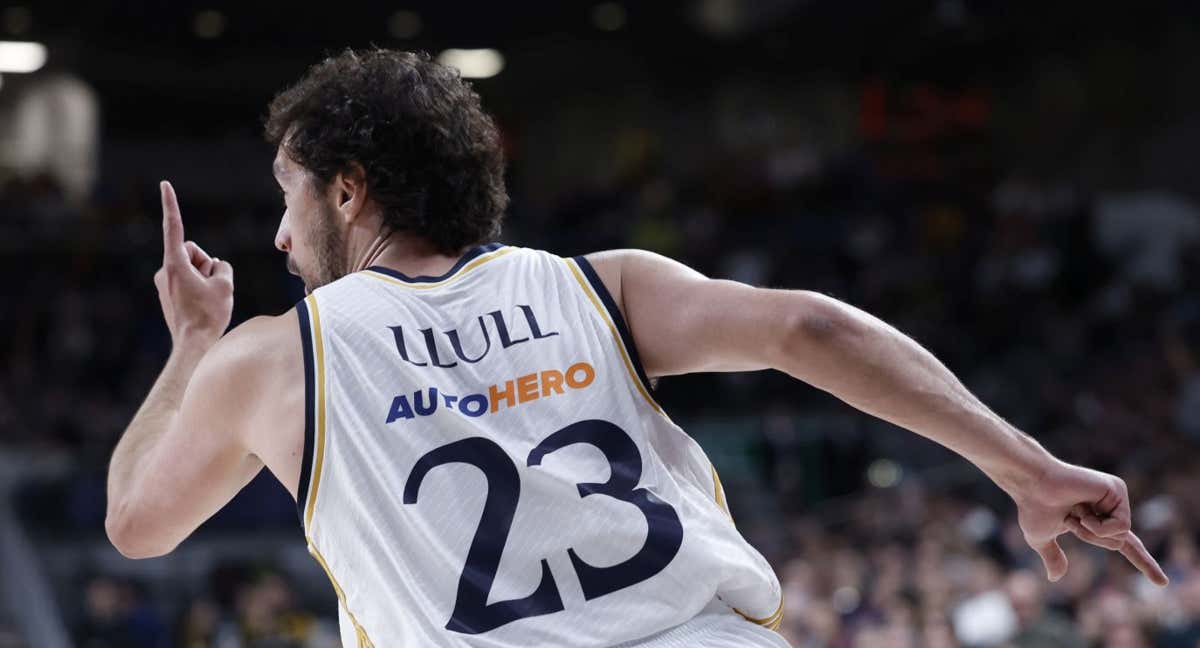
<point>506,395</point>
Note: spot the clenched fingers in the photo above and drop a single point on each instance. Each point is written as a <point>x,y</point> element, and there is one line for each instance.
<point>199,258</point>
<point>1110,516</point>
<point>1087,536</point>
<point>1108,527</point>
<point>222,269</point>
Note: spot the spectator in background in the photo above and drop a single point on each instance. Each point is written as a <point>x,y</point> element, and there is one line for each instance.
<point>9,638</point>
<point>198,628</point>
<point>116,614</point>
<point>251,606</point>
<point>1038,627</point>
<point>1184,632</point>
<point>1146,234</point>
<point>266,616</point>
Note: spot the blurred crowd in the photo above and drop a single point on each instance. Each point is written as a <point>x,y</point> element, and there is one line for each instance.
<point>241,605</point>
<point>919,568</point>
<point>1071,307</point>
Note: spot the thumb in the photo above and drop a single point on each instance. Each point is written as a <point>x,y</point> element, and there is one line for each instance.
<point>1053,558</point>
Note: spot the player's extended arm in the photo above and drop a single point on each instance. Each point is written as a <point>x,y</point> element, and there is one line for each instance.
<point>168,474</point>
<point>683,322</point>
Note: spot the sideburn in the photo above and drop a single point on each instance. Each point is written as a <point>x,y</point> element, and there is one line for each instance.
<point>330,246</point>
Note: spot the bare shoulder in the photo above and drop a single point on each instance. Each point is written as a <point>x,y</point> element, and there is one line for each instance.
<point>607,265</point>
<point>251,383</point>
<point>250,368</point>
<point>622,267</point>
<point>684,322</point>
<point>258,347</point>
<point>264,334</point>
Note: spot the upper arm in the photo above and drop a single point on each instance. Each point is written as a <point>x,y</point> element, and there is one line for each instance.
<point>683,322</point>
<point>204,457</point>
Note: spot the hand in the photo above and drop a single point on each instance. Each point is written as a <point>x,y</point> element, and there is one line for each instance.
<point>195,290</point>
<point>1090,504</point>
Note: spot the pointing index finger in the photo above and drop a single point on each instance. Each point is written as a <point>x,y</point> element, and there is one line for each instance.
<point>1135,552</point>
<point>173,249</point>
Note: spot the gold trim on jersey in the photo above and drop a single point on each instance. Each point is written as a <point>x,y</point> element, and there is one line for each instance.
<point>363,640</point>
<point>587,290</point>
<point>772,622</point>
<point>482,259</point>
<point>719,492</point>
<point>319,372</point>
<point>318,343</point>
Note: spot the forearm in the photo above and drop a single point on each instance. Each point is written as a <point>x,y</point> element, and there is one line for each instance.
<point>151,421</point>
<point>875,368</point>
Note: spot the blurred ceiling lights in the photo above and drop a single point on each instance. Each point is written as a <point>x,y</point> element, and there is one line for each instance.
<point>473,63</point>
<point>728,19</point>
<point>884,473</point>
<point>608,16</point>
<point>404,24</point>
<point>209,24</point>
<point>17,20</point>
<point>21,56</point>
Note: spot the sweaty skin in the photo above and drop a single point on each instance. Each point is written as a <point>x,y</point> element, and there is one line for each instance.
<point>225,406</point>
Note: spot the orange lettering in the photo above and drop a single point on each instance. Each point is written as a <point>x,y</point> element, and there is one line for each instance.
<point>527,388</point>
<point>552,382</point>
<point>495,395</point>
<point>589,374</point>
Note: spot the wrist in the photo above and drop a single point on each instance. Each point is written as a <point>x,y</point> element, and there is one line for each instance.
<point>188,349</point>
<point>1023,468</point>
<point>192,339</point>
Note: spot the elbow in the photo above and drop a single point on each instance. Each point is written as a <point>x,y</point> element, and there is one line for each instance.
<point>819,321</point>
<point>130,536</point>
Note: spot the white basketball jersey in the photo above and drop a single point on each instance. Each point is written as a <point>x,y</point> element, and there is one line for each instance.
<point>485,465</point>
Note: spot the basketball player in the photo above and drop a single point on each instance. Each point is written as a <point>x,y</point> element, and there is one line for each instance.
<point>469,429</point>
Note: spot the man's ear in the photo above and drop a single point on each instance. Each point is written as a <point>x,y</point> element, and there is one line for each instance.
<point>350,192</point>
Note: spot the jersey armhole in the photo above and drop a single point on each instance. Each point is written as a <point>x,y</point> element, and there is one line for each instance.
<point>306,344</point>
<point>614,313</point>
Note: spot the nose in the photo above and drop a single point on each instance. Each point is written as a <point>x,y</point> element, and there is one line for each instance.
<point>283,236</point>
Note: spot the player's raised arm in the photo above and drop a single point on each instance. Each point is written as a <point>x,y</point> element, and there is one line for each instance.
<point>683,322</point>
<point>182,456</point>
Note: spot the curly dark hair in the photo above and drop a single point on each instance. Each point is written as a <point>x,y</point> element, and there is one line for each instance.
<point>431,155</point>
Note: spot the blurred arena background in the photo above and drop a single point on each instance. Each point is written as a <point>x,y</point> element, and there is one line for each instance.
<point>1013,184</point>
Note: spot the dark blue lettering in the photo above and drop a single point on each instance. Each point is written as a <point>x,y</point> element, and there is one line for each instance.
<point>431,345</point>
<point>480,401</point>
<point>533,323</point>
<point>502,331</point>
<point>457,344</point>
<point>419,402</point>
<point>400,409</point>
<point>398,333</point>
